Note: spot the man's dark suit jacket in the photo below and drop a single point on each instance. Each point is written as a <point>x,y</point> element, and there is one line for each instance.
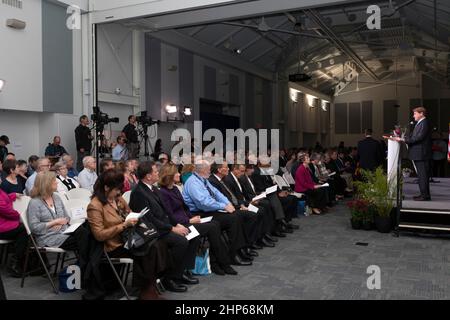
<point>260,181</point>
<point>216,184</point>
<point>233,186</point>
<point>370,153</point>
<point>419,142</point>
<point>141,197</point>
<point>249,194</point>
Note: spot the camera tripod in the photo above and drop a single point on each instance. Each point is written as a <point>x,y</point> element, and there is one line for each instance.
<point>143,135</point>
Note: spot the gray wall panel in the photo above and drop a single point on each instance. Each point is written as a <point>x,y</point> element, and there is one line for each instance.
<point>210,83</point>
<point>249,100</point>
<point>354,118</point>
<point>234,89</point>
<point>186,71</point>
<point>390,115</point>
<point>432,106</point>
<point>57,61</point>
<point>340,118</point>
<point>153,76</point>
<point>444,115</point>
<point>366,115</point>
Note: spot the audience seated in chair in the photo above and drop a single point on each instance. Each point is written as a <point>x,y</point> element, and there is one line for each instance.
<point>65,183</point>
<point>106,215</point>
<point>71,170</point>
<point>88,176</point>
<point>43,165</point>
<point>146,195</point>
<point>179,214</point>
<point>12,229</point>
<point>203,199</point>
<point>48,219</point>
<point>12,183</point>
<point>305,184</point>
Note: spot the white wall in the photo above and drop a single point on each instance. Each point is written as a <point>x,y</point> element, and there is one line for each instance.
<point>29,129</point>
<point>21,58</point>
<point>24,141</point>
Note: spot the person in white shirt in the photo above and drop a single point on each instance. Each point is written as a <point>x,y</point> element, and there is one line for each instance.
<point>43,165</point>
<point>88,176</point>
<point>120,151</point>
<point>65,183</point>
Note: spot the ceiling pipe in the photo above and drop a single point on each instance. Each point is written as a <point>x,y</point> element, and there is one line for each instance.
<point>340,44</point>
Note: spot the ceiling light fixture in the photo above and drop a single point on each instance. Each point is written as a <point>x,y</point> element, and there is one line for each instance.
<point>2,84</point>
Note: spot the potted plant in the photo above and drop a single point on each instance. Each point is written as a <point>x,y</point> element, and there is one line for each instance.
<point>356,209</point>
<point>375,188</point>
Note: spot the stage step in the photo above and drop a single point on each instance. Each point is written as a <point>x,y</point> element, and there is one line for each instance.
<point>424,226</point>
<point>424,219</point>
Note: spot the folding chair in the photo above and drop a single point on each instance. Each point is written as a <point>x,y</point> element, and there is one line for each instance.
<point>79,193</point>
<point>38,250</point>
<point>126,196</point>
<point>77,209</point>
<point>4,244</point>
<point>128,262</point>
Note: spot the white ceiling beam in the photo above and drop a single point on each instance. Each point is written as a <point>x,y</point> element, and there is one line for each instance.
<point>195,12</point>
<point>178,39</point>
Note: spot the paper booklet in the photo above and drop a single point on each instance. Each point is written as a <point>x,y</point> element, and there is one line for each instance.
<point>137,215</point>
<point>192,233</point>
<point>271,189</point>
<point>73,227</point>
<point>324,185</point>
<point>332,174</point>
<point>298,195</point>
<point>205,220</point>
<point>252,208</point>
<point>259,197</point>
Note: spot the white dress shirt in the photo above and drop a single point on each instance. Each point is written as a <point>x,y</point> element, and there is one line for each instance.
<point>86,179</point>
<point>237,181</point>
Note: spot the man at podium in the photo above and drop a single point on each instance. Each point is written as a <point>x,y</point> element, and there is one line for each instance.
<point>419,144</point>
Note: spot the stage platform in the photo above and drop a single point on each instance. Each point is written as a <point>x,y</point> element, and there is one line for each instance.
<point>426,215</point>
<point>440,195</point>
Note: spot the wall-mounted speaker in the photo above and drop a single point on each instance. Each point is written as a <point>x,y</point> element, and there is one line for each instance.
<point>16,24</point>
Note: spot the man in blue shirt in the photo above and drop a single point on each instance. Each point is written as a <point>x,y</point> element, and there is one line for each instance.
<point>71,171</point>
<point>205,200</point>
<point>120,151</point>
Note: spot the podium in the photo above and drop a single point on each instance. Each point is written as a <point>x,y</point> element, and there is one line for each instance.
<point>393,169</point>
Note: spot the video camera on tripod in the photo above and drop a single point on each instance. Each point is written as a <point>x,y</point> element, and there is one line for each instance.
<point>101,119</point>
<point>145,120</point>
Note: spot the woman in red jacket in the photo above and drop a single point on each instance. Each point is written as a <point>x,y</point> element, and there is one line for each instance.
<point>304,184</point>
<point>12,229</point>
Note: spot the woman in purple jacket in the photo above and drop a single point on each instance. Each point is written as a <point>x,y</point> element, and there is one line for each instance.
<point>12,229</point>
<point>304,184</point>
<point>178,212</point>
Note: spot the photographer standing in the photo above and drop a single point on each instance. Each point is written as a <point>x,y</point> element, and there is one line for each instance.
<point>83,140</point>
<point>132,137</point>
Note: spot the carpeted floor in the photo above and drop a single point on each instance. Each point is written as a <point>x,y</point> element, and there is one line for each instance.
<point>319,261</point>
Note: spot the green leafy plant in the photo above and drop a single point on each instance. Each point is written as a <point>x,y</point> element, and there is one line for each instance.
<point>375,189</point>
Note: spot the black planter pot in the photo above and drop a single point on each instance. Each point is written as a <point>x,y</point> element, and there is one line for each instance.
<point>383,224</point>
<point>356,224</point>
<point>367,225</point>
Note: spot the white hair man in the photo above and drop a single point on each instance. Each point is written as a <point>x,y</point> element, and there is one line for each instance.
<point>88,176</point>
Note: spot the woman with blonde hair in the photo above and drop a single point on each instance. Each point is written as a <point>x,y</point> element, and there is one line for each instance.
<point>48,218</point>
